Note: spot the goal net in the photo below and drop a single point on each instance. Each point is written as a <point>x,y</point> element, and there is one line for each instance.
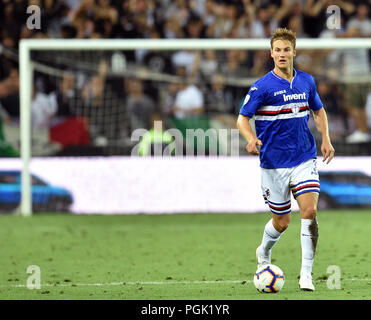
<point>104,98</point>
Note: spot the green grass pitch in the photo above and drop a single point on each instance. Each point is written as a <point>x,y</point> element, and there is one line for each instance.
<point>182,256</point>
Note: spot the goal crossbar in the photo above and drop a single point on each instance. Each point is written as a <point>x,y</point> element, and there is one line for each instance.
<point>187,44</point>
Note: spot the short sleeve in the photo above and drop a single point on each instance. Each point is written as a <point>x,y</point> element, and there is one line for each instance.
<point>253,101</point>
<point>314,100</point>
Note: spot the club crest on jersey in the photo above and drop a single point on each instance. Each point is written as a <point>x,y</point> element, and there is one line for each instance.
<point>295,109</point>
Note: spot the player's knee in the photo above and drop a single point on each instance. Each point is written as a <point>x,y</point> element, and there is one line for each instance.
<point>281,223</point>
<point>309,213</point>
<point>282,226</point>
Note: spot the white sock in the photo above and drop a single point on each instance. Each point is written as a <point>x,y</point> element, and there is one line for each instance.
<point>308,237</point>
<point>270,238</point>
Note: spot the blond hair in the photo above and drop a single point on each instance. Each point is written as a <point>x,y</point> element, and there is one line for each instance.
<point>284,34</point>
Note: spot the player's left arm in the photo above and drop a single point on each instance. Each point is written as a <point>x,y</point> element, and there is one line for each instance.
<point>320,118</point>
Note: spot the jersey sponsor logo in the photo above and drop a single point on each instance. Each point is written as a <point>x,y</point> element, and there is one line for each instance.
<point>279,92</point>
<point>295,96</point>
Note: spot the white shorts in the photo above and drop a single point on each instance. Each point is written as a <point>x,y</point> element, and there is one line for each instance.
<point>277,184</point>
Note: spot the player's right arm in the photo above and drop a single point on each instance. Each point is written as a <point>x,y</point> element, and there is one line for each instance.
<point>246,131</point>
<point>253,100</point>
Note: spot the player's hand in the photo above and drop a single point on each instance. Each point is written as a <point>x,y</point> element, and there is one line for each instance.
<point>328,151</point>
<point>252,147</point>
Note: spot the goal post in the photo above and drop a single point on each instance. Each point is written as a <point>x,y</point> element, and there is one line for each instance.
<point>25,77</point>
<point>26,47</point>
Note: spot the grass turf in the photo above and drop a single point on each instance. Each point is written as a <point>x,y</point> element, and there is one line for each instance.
<point>183,256</point>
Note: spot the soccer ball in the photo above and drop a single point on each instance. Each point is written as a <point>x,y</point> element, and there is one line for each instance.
<point>269,279</point>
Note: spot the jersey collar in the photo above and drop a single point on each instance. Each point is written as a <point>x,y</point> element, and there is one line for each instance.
<point>277,76</point>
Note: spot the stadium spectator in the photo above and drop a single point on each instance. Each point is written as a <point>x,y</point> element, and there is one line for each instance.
<point>43,109</point>
<point>179,11</point>
<point>189,100</point>
<point>207,14</point>
<point>67,95</point>
<point>142,25</point>
<point>189,114</point>
<point>139,105</point>
<point>234,65</point>
<point>194,28</point>
<point>9,89</point>
<point>173,29</point>
<point>154,60</point>
<point>225,16</point>
<point>82,19</point>
<point>261,63</point>
<point>168,95</point>
<point>241,28</point>
<point>356,64</point>
<point>187,59</point>
<point>156,141</point>
<point>265,20</point>
<point>220,103</point>
<point>68,31</point>
<point>72,4</point>
<point>6,147</point>
<point>295,23</point>
<point>208,64</point>
<point>219,98</point>
<point>337,116</point>
<point>13,15</point>
<point>304,62</point>
<point>103,10</point>
<point>93,91</point>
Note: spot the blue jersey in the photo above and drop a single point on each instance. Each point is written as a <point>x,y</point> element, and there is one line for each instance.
<point>281,112</point>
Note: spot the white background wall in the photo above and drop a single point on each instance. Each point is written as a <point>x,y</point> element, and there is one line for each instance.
<point>112,185</point>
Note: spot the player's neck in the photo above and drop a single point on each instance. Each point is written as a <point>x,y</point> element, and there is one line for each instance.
<point>285,73</point>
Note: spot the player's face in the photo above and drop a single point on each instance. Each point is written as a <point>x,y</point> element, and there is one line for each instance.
<point>283,54</point>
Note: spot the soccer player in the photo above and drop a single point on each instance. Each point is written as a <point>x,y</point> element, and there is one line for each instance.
<point>281,102</point>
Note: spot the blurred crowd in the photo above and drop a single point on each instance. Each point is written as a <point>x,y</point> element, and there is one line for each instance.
<point>174,18</point>
<point>205,79</point>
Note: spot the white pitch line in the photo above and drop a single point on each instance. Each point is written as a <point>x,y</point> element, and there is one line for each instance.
<point>139,283</point>
<point>350,279</point>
